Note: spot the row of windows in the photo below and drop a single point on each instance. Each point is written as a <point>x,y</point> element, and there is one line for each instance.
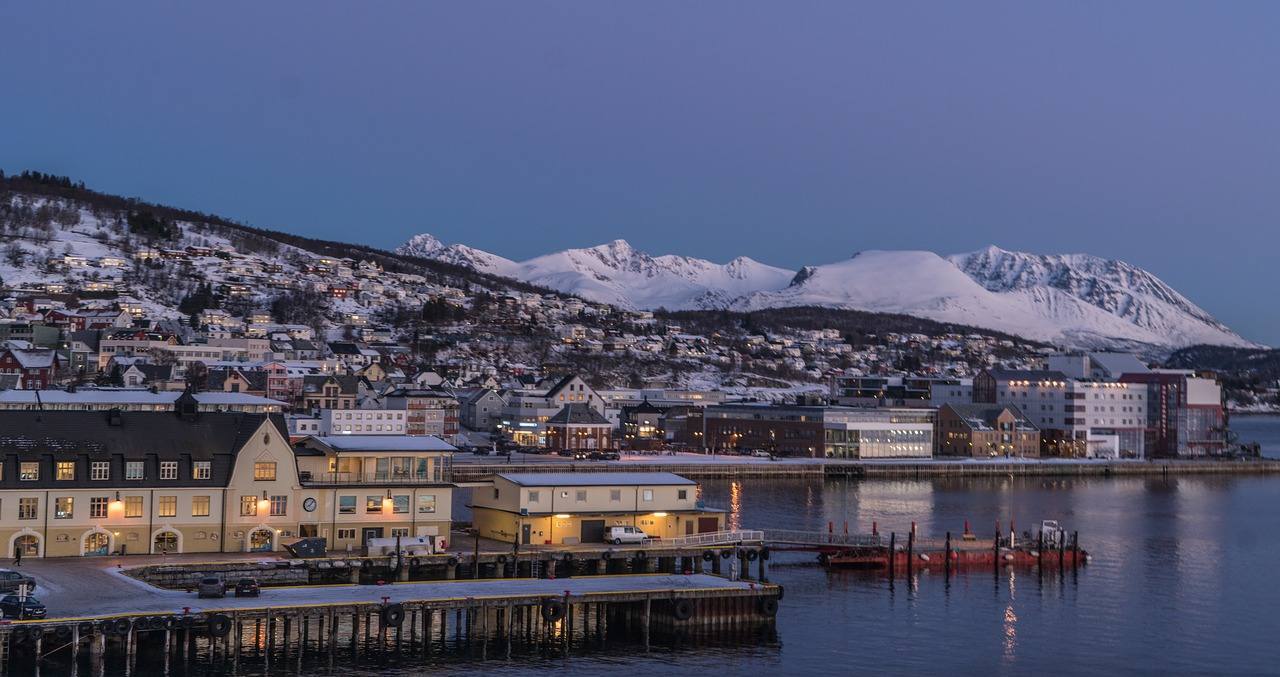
<point>29,471</point>
<point>348,534</point>
<point>398,503</point>
<point>132,506</point>
<point>615,495</point>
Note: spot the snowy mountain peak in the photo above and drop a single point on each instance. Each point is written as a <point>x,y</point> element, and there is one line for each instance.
<point>1076,300</point>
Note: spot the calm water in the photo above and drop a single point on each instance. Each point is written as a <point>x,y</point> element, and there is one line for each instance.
<point>1262,429</point>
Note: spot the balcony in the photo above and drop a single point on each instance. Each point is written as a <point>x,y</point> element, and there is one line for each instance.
<point>384,479</point>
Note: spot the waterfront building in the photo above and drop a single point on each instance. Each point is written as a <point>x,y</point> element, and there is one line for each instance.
<point>1076,417</point>
<point>578,426</point>
<point>131,399</point>
<point>98,482</point>
<point>525,416</point>
<point>1185,413</point>
<point>568,508</point>
<point>985,430</point>
<point>816,431</point>
<point>855,390</point>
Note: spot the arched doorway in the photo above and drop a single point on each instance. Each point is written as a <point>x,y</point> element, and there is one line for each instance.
<point>97,543</point>
<point>166,543</point>
<point>260,540</point>
<point>27,544</point>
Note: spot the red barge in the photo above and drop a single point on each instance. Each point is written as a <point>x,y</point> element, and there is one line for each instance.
<point>1050,548</point>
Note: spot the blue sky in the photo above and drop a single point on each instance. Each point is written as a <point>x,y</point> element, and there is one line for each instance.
<point>794,133</point>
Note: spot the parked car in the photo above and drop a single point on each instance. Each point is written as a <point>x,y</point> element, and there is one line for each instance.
<point>11,580</point>
<point>567,453</point>
<point>247,587</point>
<point>480,451</point>
<point>610,456</point>
<point>620,535</point>
<point>761,453</point>
<point>19,609</point>
<point>211,586</point>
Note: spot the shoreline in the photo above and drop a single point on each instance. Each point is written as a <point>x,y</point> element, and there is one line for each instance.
<point>917,468</point>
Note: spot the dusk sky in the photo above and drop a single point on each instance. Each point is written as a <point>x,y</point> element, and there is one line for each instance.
<point>794,133</point>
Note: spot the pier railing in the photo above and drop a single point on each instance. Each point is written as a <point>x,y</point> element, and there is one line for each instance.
<point>714,538</point>
<point>792,537</point>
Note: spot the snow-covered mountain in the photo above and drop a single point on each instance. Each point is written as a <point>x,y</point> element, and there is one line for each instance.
<point>1076,299</point>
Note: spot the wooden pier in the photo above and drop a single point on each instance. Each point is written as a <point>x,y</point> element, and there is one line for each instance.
<point>512,619</point>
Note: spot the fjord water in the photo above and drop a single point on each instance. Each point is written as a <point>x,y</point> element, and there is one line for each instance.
<point>1182,581</point>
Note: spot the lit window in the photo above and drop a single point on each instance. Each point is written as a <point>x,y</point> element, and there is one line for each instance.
<point>201,470</point>
<point>199,506</point>
<point>66,470</point>
<point>248,506</point>
<point>63,507</point>
<point>264,471</point>
<point>29,471</point>
<point>167,506</point>
<point>133,506</point>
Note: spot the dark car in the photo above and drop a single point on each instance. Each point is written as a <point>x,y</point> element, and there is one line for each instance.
<point>582,455</point>
<point>20,609</point>
<point>10,581</point>
<point>606,456</point>
<point>247,587</point>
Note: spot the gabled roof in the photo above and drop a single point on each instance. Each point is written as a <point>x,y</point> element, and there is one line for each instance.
<point>576,413</point>
<point>983,416</point>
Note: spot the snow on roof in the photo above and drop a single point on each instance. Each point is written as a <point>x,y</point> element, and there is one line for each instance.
<point>384,443</point>
<point>127,396</point>
<point>594,479</point>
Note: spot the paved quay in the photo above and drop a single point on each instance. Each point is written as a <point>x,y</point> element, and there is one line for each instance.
<point>76,588</point>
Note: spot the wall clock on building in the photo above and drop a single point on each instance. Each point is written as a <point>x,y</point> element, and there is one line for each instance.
<point>309,504</point>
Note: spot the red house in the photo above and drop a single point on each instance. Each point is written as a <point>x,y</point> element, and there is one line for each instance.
<point>36,368</point>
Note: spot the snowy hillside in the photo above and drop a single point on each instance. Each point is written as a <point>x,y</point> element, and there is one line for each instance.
<point>1076,300</point>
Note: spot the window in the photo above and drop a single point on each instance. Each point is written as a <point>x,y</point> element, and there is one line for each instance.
<point>201,470</point>
<point>581,495</point>
<point>399,532</point>
<point>615,495</point>
<point>133,506</point>
<point>27,508</point>
<point>199,506</point>
<point>63,508</point>
<point>167,506</point>
<point>264,471</point>
<point>347,505</point>
<point>168,470</point>
<point>134,470</point>
<point>400,504</point>
<point>279,506</point>
<point>373,504</point>
<point>647,495</point>
<point>248,506</point>
<point>100,470</point>
<point>347,533</point>
<point>29,471</point>
<point>65,470</point>
<point>682,494</point>
<point>426,503</point>
<point>533,497</point>
<point>98,507</point>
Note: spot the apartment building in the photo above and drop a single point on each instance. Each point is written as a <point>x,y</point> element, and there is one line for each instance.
<point>428,411</point>
<point>984,431</point>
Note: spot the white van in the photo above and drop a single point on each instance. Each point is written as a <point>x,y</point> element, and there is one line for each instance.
<point>620,535</point>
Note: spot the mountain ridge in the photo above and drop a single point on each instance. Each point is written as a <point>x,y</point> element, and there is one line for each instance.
<point>1076,300</point>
